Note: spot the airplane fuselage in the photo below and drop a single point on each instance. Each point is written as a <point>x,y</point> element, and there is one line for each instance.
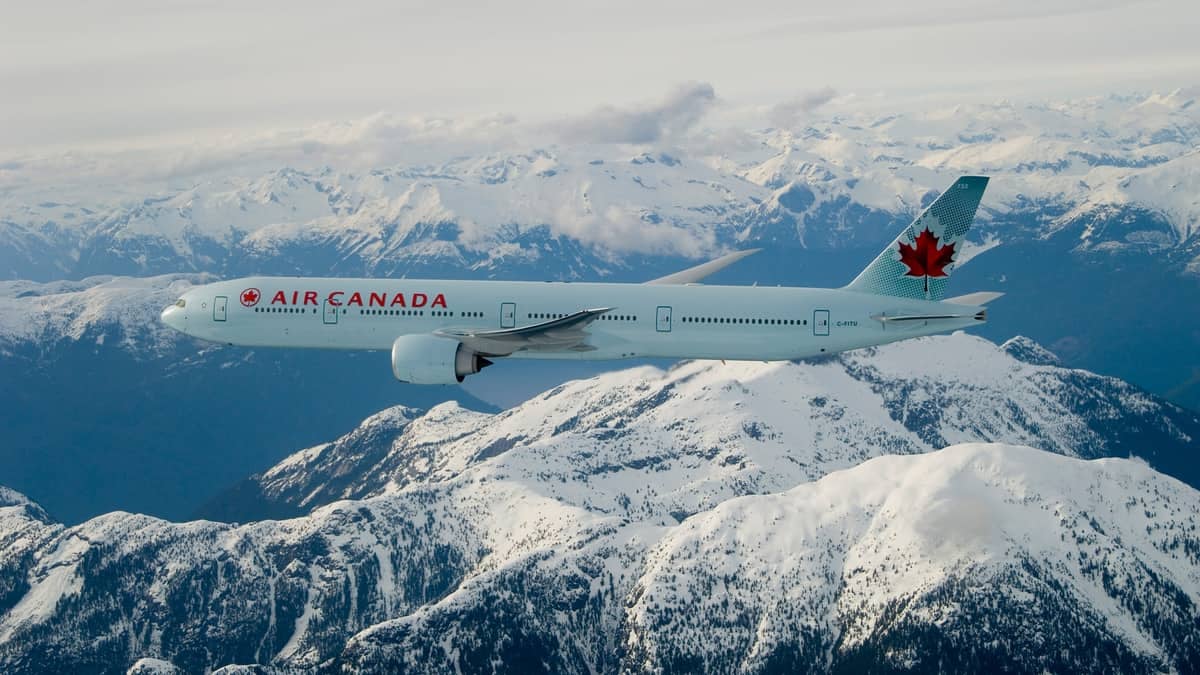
<point>442,331</point>
<point>672,321</point>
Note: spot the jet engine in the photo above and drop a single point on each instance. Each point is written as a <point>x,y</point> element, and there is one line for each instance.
<point>429,359</point>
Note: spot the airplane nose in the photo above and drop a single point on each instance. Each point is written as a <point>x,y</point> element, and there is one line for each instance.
<point>174,317</point>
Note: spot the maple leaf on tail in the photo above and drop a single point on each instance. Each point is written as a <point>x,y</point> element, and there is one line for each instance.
<point>926,258</point>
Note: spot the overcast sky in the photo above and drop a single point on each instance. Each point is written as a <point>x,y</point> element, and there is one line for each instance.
<point>84,72</point>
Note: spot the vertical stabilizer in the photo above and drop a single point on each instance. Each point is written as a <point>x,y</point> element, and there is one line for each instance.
<point>918,263</point>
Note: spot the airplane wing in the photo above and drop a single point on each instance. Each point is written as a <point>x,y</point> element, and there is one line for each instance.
<point>555,335</point>
<point>694,274</point>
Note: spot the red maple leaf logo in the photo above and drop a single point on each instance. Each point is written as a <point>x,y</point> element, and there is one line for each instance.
<point>926,259</point>
<point>250,297</point>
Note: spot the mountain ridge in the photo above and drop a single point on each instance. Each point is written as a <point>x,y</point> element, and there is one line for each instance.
<point>569,532</point>
<point>845,179</point>
<point>974,542</point>
<point>844,409</point>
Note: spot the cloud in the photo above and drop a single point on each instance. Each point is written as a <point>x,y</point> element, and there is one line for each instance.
<point>789,113</point>
<point>673,115</point>
<point>620,227</point>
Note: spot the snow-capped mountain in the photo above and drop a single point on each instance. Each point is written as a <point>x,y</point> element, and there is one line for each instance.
<point>712,431</point>
<point>666,520</point>
<point>970,559</point>
<point>1003,549</point>
<point>121,309</point>
<point>1101,173</point>
<point>983,554</point>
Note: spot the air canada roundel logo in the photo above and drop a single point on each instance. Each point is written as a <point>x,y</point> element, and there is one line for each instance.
<point>250,297</point>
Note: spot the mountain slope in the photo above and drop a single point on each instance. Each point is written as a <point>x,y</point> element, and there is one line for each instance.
<point>984,554</point>
<point>607,524</point>
<point>711,430</point>
<point>971,558</point>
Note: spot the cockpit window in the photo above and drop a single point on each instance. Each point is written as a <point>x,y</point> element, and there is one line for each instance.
<point>180,302</point>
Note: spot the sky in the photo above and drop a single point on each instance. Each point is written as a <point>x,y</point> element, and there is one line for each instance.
<point>79,73</point>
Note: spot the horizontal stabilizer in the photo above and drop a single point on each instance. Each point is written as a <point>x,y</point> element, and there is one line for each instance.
<point>976,299</point>
<point>694,274</point>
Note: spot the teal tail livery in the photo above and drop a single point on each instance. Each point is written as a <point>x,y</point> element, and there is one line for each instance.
<point>440,331</point>
<point>919,262</point>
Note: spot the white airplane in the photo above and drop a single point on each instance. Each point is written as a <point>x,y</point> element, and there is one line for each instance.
<point>441,331</point>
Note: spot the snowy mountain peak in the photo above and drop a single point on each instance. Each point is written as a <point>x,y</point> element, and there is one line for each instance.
<point>10,497</point>
<point>1025,349</point>
<point>119,308</point>
<point>970,539</point>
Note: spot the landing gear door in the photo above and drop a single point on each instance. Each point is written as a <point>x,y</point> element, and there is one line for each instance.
<point>220,308</point>
<point>821,322</point>
<point>330,313</point>
<point>508,315</point>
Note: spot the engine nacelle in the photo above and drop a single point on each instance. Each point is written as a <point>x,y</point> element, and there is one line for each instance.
<point>429,359</point>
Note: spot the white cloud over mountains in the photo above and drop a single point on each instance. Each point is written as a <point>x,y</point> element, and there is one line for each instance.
<point>673,115</point>
<point>791,112</point>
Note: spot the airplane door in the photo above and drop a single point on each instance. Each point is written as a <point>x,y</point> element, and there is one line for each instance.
<point>220,308</point>
<point>330,313</point>
<point>508,315</point>
<point>821,322</point>
<point>663,323</point>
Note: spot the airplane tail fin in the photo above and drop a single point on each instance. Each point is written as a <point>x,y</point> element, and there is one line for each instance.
<point>918,263</point>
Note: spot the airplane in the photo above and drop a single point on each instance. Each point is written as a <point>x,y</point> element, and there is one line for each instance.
<point>440,332</point>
